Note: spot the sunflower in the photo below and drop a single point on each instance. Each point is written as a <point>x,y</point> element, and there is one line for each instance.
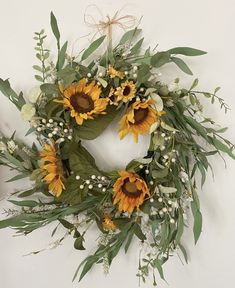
<point>112,97</point>
<point>129,191</point>
<point>126,91</point>
<point>138,119</point>
<point>83,100</point>
<point>52,169</point>
<point>115,73</point>
<point>108,224</point>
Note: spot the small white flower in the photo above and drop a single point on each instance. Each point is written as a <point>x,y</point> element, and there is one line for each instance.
<point>159,103</point>
<point>3,147</point>
<point>173,87</point>
<point>34,94</point>
<point>11,146</point>
<point>183,176</point>
<point>27,112</point>
<point>153,127</point>
<point>145,218</point>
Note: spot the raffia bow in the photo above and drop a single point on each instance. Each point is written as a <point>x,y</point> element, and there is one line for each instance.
<point>106,24</point>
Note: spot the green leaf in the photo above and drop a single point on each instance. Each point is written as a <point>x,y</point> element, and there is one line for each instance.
<point>158,265</point>
<point>78,243</point>
<point>197,227</point>
<point>93,46</point>
<point>160,58</point>
<point>66,224</point>
<point>17,100</point>
<point>129,36</point>
<point>133,166</point>
<point>18,177</point>
<point>129,240</point>
<point>55,29</point>
<point>160,173</point>
<point>13,160</point>
<point>93,128</point>
<point>72,193</point>
<point>138,232</point>
<point>25,203</point>
<point>67,75</point>
<point>221,147</point>
<point>27,193</point>
<point>37,68</point>
<point>187,51</point>
<point>136,48</point>
<point>184,252</point>
<point>38,78</point>
<point>49,89</point>
<point>182,65</point>
<point>180,228</point>
<point>81,161</point>
<point>61,56</point>
<point>195,83</point>
<point>197,127</point>
<point>143,73</point>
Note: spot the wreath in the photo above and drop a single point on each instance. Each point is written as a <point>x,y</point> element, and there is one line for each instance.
<point>78,97</point>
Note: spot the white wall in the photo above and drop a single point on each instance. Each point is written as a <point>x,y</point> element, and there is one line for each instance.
<point>204,24</point>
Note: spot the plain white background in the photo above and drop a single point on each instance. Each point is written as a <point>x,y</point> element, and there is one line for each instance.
<point>204,24</point>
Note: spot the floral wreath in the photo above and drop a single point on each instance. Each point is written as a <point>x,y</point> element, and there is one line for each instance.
<point>77,99</point>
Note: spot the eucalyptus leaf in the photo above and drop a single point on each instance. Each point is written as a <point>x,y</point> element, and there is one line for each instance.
<point>182,65</point>
<point>55,29</point>
<point>187,51</point>
<point>160,58</point>
<point>78,243</point>
<point>129,36</point>
<point>167,190</point>
<point>93,46</point>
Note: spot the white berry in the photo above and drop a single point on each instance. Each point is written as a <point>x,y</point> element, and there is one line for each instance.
<point>78,177</point>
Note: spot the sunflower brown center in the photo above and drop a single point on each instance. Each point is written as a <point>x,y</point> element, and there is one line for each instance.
<point>140,115</point>
<point>126,90</point>
<point>82,102</point>
<point>130,189</point>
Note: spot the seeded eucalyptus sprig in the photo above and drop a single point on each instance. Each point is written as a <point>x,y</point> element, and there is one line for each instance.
<point>42,55</point>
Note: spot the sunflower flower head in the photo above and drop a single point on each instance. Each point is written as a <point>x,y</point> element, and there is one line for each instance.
<point>113,99</point>
<point>126,91</point>
<point>112,72</point>
<point>52,169</point>
<point>83,100</point>
<point>140,116</point>
<point>130,191</point>
<point>108,224</point>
